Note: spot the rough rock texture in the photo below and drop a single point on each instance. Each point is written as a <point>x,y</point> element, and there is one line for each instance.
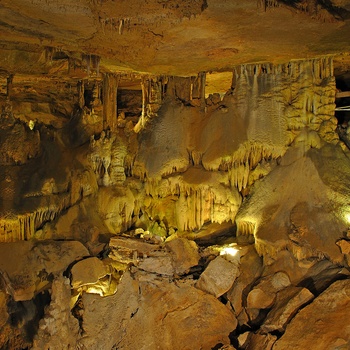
<point>288,302</point>
<point>185,254</point>
<point>155,314</point>
<point>218,277</point>
<point>27,267</point>
<point>87,271</point>
<point>58,329</point>
<point>330,308</point>
<point>178,37</point>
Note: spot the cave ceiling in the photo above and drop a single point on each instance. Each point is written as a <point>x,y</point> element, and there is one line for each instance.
<point>181,37</point>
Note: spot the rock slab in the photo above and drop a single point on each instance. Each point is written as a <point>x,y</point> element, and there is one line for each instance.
<point>323,324</point>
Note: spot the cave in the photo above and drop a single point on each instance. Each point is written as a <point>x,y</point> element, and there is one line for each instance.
<point>174,174</point>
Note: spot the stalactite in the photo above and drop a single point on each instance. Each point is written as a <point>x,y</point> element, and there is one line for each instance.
<point>92,63</point>
<point>24,226</point>
<point>152,95</point>
<point>245,228</point>
<point>107,158</point>
<point>193,204</point>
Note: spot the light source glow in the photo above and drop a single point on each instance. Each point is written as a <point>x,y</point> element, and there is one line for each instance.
<point>229,251</point>
<point>347,217</point>
<point>31,124</point>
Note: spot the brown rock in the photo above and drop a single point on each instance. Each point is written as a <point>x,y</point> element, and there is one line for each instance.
<point>218,277</point>
<point>345,249</point>
<point>250,270</point>
<point>3,309</point>
<point>185,254</point>
<point>58,329</point>
<point>261,342</point>
<point>344,246</point>
<point>155,315</point>
<point>243,339</point>
<point>25,266</point>
<point>264,294</point>
<point>161,265</point>
<point>87,272</point>
<point>322,324</point>
<point>129,250</point>
<point>280,280</point>
<point>260,299</point>
<point>288,302</point>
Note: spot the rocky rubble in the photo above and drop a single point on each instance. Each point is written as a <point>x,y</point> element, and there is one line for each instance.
<point>220,296</point>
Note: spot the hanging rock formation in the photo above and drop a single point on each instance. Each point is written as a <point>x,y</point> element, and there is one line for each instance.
<point>170,208</point>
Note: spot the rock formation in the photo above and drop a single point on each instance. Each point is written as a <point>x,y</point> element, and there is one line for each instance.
<point>172,191</point>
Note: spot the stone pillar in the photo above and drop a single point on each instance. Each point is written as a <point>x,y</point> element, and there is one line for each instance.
<point>80,88</point>
<point>110,86</point>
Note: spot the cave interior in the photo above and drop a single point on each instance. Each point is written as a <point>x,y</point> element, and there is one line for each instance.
<point>175,174</point>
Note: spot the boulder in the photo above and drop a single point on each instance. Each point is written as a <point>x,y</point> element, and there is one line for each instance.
<point>260,299</point>
<point>261,341</point>
<point>264,294</point>
<point>128,250</point>
<point>185,254</point>
<point>218,277</point>
<point>161,265</point>
<point>58,329</point>
<point>344,246</point>
<point>250,270</point>
<point>26,266</point>
<point>323,324</point>
<point>155,315</point>
<point>288,302</point>
<point>88,272</point>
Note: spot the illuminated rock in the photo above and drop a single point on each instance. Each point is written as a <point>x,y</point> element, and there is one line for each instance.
<point>292,209</point>
<point>250,270</point>
<point>87,272</point>
<point>185,254</point>
<point>155,314</point>
<point>218,277</point>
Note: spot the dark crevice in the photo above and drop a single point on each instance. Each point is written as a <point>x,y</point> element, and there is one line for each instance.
<point>26,315</point>
<point>77,312</point>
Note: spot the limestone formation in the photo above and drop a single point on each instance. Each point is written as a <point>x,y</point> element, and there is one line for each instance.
<point>174,175</point>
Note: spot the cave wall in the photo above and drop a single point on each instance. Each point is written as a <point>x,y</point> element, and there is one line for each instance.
<point>187,161</point>
<point>143,195</point>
